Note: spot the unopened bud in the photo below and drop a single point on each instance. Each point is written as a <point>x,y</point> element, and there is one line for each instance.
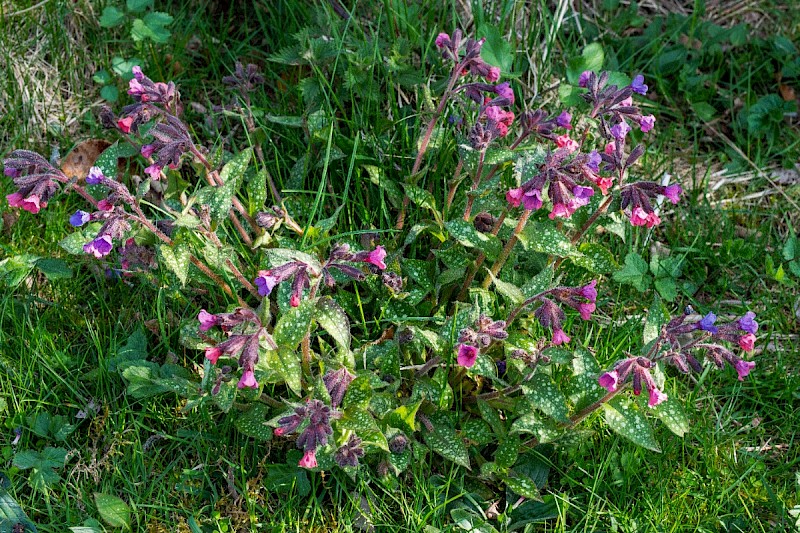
<point>398,443</point>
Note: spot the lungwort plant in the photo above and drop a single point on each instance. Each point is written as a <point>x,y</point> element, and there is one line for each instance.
<point>456,335</point>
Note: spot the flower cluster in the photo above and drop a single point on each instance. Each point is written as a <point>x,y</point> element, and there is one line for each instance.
<point>470,60</point>
<point>170,140</point>
<point>472,340</point>
<point>244,334</point>
<point>147,95</point>
<point>639,368</point>
<point>550,314</point>
<point>35,178</point>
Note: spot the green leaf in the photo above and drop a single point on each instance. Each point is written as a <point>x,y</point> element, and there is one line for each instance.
<point>143,379</point>
<point>404,417</point>
<point>507,451</point>
<point>672,414</point>
<point>545,238</point>
<point>281,479</point>
<point>252,422</point>
<point>477,431</point>
<point>624,417</point>
<point>445,441</point>
<point>538,283</point>
<point>524,486</point>
<point>286,362</point>
<point>134,349</point>
<point>363,423</point>
<point>596,258</point>
<point>378,177</point>
<point>635,272</point>
<point>544,395</point>
<point>293,325</point>
<point>497,49</point>
<point>466,234</point>
<point>768,113</point>
<point>109,93</point>
<point>592,58</point>
<point>113,510</point>
<point>176,258</point>
<point>124,67</point>
<point>102,77</point>
<point>152,27</point>
<point>790,249</point>
<point>13,270</point>
<point>137,6</point>
<point>359,392</point>
<point>54,268</point>
<point>12,514</point>
<point>657,316</point>
<point>420,197</point>
<point>545,430</point>
<point>667,287</point>
<point>107,161</point>
<point>334,320</point>
<point>111,17</point>
<point>490,415</point>
<point>219,201</point>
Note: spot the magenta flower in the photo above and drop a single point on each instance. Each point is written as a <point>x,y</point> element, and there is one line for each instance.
<point>583,79</point>
<point>565,141</point>
<point>610,148</point>
<point>105,205</point>
<point>589,292</point>
<point>265,283</point>
<point>95,176</point>
<point>747,342</point>
<point>309,459</point>
<point>620,130</point>
<point>493,75</point>
<point>79,218</point>
<point>656,397</point>
<point>248,380</point>
<point>638,85</point>
<point>442,40</point>
<point>532,200</point>
<point>743,368</point>
<point>207,320</point>
<point>135,88</point>
<point>560,210</point>
<point>586,310</point>
<point>148,150</point>
<point>748,323</point>
<point>640,217</point>
<point>377,256</point>
<point>707,323</point>
<point>609,380</point>
<point>137,72</point>
<point>514,196</point>
<point>213,353</point>
<point>32,203</point>
<point>673,193</point>
<point>564,120</point>
<point>467,355</point>
<point>504,90</point>
<point>99,247</point>
<point>154,171</point>
<point>646,123</point>
<point>559,337</point>
<point>124,124</point>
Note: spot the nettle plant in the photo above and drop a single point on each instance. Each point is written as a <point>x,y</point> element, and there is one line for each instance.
<point>479,372</point>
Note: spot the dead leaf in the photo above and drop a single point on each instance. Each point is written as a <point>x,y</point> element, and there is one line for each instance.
<point>82,158</point>
<point>787,92</point>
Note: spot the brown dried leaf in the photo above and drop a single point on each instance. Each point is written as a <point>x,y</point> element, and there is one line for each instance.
<point>787,92</point>
<point>82,158</point>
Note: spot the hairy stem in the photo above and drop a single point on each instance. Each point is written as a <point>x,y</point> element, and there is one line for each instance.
<point>476,180</point>
<point>503,257</point>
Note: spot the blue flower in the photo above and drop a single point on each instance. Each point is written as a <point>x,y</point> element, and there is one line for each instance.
<point>707,323</point>
<point>80,218</point>
<point>638,85</point>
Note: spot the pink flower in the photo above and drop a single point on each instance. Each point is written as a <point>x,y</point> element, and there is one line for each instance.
<point>148,149</point>
<point>377,256</point>
<point>135,88</point>
<point>565,141</point>
<point>747,342</point>
<point>514,196</point>
<point>604,184</point>
<point>294,300</point>
<point>441,41</point>
<point>743,368</point>
<point>32,204</point>
<point>467,355</point>
<point>499,115</point>
<point>653,220</point>
<point>207,320</point>
<point>493,75</point>
<point>647,123</point>
<point>586,310</point>
<point>248,380</point>
<point>656,397</point>
<point>154,171</point>
<point>609,380</point>
<point>124,124</point>
<point>628,102</point>
<point>589,292</point>
<point>309,459</point>
<point>559,337</point>
<point>504,90</point>
<point>610,148</point>
<point>213,353</point>
<point>639,217</point>
<point>105,205</point>
<point>560,210</point>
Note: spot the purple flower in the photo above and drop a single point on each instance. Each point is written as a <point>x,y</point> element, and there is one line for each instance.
<point>583,79</point>
<point>504,90</point>
<point>638,85</point>
<point>99,247</point>
<point>207,320</point>
<point>646,123</point>
<point>265,283</point>
<point>95,176</point>
<point>467,355</point>
<point>620,130</point>
<point>564,120</point>
<point>707,323</point>
<point>589,292</point>
<point>337,381</point>
<point>582,195</point>
<point>80,218</point>
<point>559,337</point>
<point>532,200</point>
<point>137,73</point>
<point>586,310</point>
<point>442,40</point>
<point>493,75</point>
<point>673,193</point>
<point>743,368</point>
<point>594,161</point>
<point>748,324</point>
<point>609,381</point>
<point>148,149</point>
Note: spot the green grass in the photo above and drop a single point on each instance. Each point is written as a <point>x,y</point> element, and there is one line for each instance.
<point>736,471</point>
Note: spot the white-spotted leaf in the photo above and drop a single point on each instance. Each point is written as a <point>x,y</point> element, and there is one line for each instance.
<point>544,395</point>
<point>625,418</point>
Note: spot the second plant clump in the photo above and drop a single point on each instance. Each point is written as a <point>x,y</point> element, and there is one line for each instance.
<point>478,376</point>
